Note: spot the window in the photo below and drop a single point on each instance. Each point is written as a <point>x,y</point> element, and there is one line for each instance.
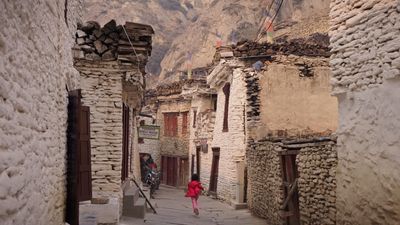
<point>194,118</point>
<point>214,103</point>
<point>171,124</point>
<point>184,123</point>
<point>226,90</point>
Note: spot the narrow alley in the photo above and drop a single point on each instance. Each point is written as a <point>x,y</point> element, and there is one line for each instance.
<point>174,209</point>
<point>269,112</point>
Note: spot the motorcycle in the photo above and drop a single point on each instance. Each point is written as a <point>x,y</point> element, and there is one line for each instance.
<point>153,181</point>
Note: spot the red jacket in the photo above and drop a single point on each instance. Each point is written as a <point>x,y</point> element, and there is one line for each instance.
<point>194,189</point>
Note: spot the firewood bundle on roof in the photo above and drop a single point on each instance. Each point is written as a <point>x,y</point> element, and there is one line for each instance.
<point>316,45</point>
<point>111,42</point>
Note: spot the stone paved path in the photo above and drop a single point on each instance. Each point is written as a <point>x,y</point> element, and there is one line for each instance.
<point>174,209</point>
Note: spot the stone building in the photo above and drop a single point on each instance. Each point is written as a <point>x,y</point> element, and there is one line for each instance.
<point>173,116</point>
<point>278,149</point>
<point>365,42</point>
<point>36,73</point>
<point>111,61</point>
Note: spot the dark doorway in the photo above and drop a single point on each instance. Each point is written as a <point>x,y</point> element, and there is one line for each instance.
<point>79,179</point>
<point>198,160</point>
<point>291,211</point>
<point>214,171</point>
<point>125,143</point>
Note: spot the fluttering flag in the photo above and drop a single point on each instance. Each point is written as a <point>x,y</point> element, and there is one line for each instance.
<point>219,40</point>
<point>269,29</point>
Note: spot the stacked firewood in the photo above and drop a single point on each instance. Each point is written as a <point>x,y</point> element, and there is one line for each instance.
<point>314,46</point>
<point>253,96</point>
<point>113,42</point>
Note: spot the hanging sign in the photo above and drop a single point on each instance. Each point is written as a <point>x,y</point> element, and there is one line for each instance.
<point>149,132</point>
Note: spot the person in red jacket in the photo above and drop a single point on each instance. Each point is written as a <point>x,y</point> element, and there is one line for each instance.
<point>194,190</point>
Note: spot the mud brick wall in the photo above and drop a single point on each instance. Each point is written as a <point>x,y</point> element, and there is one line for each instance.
<point>264,190</point>
<point>317,183</point>
<point>35,68</point>
<point>365,41</point>
<point>150,146</point>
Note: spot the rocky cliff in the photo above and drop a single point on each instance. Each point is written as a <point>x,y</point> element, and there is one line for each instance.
<point>188,30</point>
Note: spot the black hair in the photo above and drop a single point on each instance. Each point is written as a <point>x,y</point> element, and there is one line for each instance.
<point>195,177</point>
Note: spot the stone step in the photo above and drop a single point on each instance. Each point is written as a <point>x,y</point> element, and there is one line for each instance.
<point>139,209</point>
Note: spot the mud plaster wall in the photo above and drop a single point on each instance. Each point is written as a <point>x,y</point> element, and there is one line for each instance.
<point>293,102</point>
<point>232,143</point>
<point>365,66</point>
<point>35,67</point>
<point>179,145</point>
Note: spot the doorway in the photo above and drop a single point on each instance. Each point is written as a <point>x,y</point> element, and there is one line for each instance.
<point>198,160</point>
<point>214,171</point>
<point>291,211</point>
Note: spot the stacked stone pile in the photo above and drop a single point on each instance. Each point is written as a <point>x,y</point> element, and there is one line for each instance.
<point>316,45</point>
<point>317,183</point>
<point>253,96</point>
<point>374,26</point>
<point>110,42</point>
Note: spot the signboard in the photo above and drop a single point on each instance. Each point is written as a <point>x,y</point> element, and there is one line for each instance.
<point>149,132</point>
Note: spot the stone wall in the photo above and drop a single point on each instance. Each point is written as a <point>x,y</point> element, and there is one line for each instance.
<point>231,143</point>
<point>365,67</point>
<point>35,69</point>
<point>264,188</point>
<point>102,91</point>
<point>317,165</point>
<point>316,162</point>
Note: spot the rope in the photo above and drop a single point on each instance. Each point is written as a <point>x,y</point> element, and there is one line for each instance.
<point>134,50</point>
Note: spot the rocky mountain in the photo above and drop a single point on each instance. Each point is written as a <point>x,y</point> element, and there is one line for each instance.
<point>188,30</point>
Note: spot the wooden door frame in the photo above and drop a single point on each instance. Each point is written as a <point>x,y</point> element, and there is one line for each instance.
<point>198,160</point>
<point>290,207</point>
<point>125,142</point>
<point>214,170</point>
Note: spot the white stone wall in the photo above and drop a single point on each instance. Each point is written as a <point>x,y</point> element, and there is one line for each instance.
<point>35,68</point>
<point>102,91</point>
<point>366,78</point>
<point>232,143</point>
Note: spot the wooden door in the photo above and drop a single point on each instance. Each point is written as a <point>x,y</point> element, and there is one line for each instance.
<point>73,146</point>
<point>291,211</point>
<point>85,173</point>
<point>183,171</point>
<point>164,169</point>
<point>125,143</point>
<point>214,171</point>
<point>198,160</point>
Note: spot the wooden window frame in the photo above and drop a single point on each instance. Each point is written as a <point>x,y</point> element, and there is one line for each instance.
<point>171,124</point>
<point>185,123</point>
